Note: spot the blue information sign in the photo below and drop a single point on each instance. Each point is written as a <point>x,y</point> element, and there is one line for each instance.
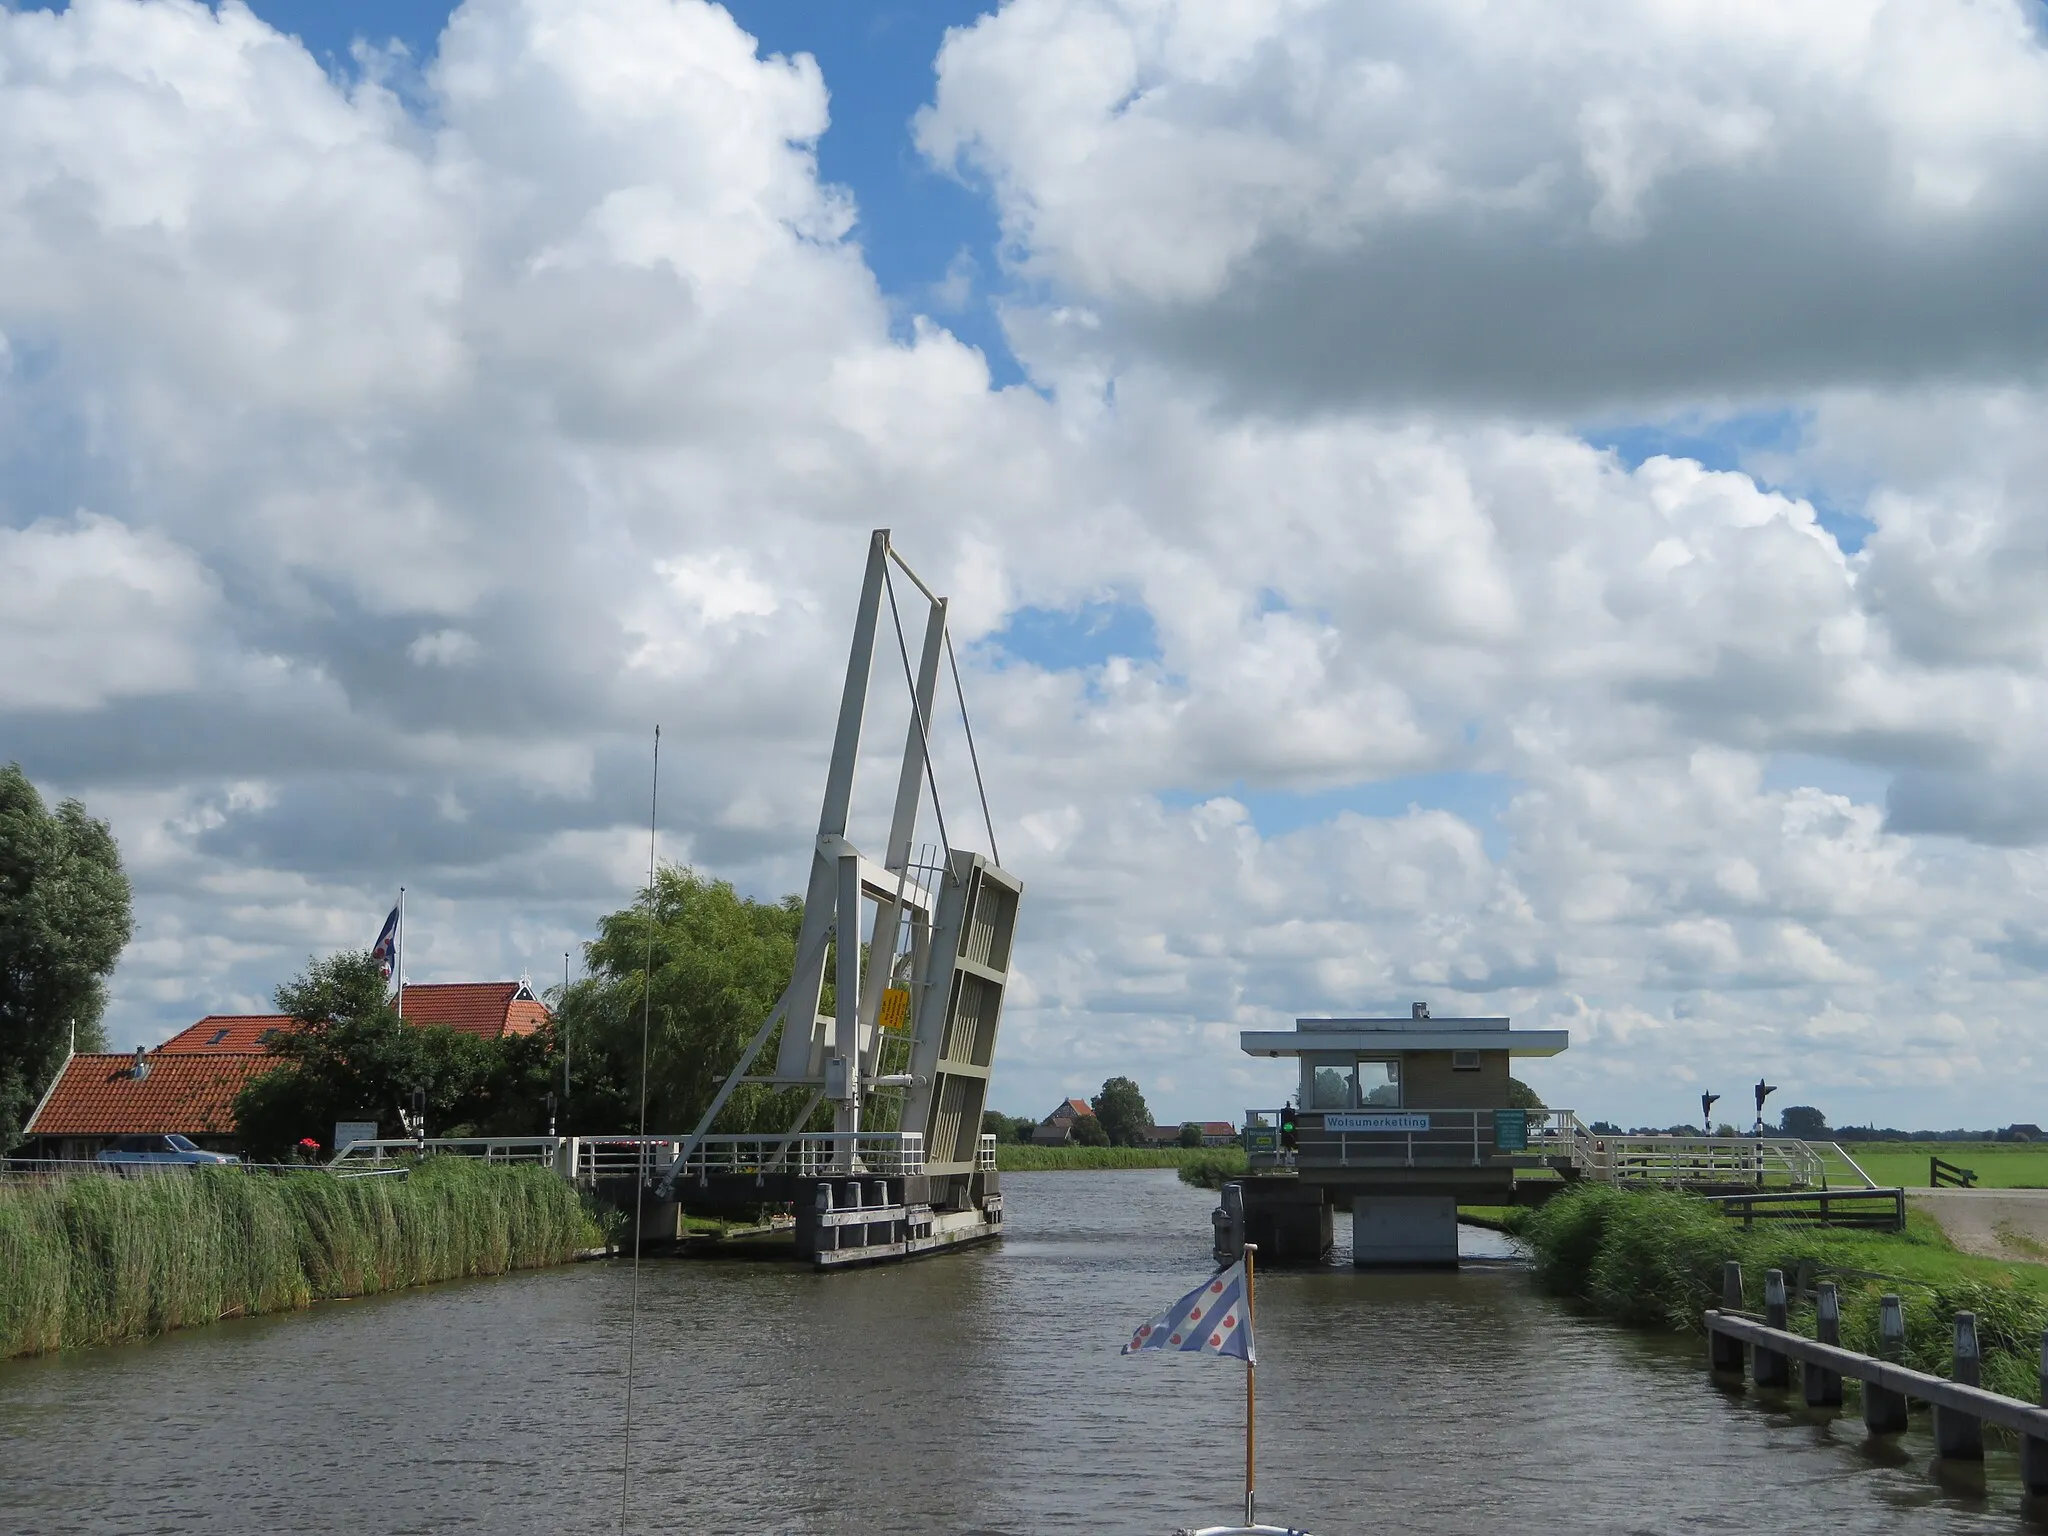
<point>1360,1123</point>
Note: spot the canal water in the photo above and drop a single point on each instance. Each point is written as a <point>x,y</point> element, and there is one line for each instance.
<point>975,1392</point>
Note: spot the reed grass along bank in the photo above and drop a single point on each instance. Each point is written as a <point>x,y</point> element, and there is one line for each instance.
<point>1653,1258</point>
<point>96,1260</point>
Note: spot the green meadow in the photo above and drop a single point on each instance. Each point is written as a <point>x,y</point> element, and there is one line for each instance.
<point>1997,1164</point>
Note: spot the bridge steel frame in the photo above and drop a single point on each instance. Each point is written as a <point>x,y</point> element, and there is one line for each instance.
<point>909,1046</point>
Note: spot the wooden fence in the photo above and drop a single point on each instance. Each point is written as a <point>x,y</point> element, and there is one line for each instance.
<point>1881,1210</point>
<point>1961,1406</point>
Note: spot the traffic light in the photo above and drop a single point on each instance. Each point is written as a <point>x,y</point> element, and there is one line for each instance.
<point>1763,1091</point>
<point>1288,1138</point>
<point>1707,1103</point>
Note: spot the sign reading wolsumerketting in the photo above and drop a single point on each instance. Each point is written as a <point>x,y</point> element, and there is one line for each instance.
<point>1511,1130</point>
<point>1346,1123</point>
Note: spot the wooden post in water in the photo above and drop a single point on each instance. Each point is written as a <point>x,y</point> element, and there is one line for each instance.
<point>1884,1411</point>
<point>2034,1453</point>
<point>1724,1354</point>
<point>1960,1436</point>
<point>1772,1367</point>
<point>1823,1386</point>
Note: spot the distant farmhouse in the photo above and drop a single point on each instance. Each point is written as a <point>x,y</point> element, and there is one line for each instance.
<point>187,1086</point>
<point>1057,1129</point>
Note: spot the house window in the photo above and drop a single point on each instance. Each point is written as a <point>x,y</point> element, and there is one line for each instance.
<point>1464,1061</point>
<point>216,1037</point>
<point>1379,1084</point>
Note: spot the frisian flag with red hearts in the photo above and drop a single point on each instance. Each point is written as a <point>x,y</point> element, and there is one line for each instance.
<point>385,950</point>
<point>1210,1320</point>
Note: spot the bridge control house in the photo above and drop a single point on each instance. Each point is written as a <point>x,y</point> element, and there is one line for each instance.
<point>1401,1119</point>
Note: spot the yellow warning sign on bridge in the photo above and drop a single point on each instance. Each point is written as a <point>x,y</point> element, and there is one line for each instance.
<point>895,1008</point>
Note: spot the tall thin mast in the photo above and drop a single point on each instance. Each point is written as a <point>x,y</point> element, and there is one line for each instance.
<point>1251,1376</point>
<point>399,966</point>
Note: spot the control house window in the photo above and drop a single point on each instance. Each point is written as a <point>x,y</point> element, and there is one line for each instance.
<point>1464,1061</point>
<point>1379,1085</point>
<point>1329,1088</point>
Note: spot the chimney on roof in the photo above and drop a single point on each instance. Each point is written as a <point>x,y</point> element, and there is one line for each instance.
<point>140,1071</point>
<point>1418,1010</point>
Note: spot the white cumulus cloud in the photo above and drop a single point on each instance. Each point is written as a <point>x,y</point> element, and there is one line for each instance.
<point>378,472</point>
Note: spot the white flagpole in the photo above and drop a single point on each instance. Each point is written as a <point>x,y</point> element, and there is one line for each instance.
<point>1251,1402</point>
<point>399,968</point>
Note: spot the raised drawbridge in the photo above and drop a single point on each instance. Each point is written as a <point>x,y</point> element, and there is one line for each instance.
<point>903,1057</point>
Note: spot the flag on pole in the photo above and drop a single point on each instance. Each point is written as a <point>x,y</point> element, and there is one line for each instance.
<point>1212,1319</point>
<point>385,950</point>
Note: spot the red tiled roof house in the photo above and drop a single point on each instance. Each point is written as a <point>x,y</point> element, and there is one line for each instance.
<point>238,1034</point>
<point>98,1097</point>
<point>187,1085</point>
<point>492,1009</point>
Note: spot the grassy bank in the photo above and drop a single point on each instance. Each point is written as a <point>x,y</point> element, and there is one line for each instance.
<point>95,1260</point>
<point>1654,1259</point>
<point>1014,1157</point>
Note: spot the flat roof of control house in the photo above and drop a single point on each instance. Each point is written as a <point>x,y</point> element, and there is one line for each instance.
<point>1414,1032</point>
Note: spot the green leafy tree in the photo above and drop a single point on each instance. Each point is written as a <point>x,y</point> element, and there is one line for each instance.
<point>720,961</point>
<point>1190,1134</point>
<point>64,920</point>
<point>1087,1131</point>
<point>352,1058</point>
<point>1007,1127</point>
<point>1121,1109</point>
<point>1522,1096</point>
<point>1805,1122</point>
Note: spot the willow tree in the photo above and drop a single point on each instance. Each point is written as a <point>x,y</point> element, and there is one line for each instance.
<point>64,920</point>
<point>704,965</point>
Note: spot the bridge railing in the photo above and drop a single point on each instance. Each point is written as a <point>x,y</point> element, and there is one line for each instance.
<point>1412,1138</point>
<point>1839,1169</point>
<point>809,1155</point>
<point>1784,1161</point>
<point>490,1149</point>
<point>1771,1161</point>
<point>587,1159</point>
